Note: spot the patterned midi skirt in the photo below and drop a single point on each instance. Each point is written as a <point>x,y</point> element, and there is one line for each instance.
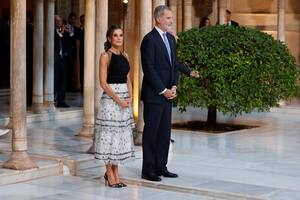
<point>114,129</point>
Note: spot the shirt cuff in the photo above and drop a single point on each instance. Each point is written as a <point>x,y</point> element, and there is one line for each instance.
<point>60,34</point>
<point>163,91</point>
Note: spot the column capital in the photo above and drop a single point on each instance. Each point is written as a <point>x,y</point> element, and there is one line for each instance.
<point>158,2</point>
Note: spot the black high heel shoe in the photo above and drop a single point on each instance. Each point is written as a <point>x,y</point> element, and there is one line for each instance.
<point>116,185</point>
<point>122,184</point>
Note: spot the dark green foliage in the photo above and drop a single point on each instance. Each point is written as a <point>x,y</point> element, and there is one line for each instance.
<point>241,69</point>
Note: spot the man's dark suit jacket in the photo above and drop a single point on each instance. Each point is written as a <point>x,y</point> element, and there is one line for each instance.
<point>65,42</point>
<point>159,73</point>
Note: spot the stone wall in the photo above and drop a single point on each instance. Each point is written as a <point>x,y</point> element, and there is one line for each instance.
<point>263,15</point>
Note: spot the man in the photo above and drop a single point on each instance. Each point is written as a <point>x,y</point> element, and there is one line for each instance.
<point>29,58</point>
<point>80,49</point>
<point>230,22</point>
<point>160,67</point>
<point>5,48</point>
<point>61,53</point>
<point>74,32</point>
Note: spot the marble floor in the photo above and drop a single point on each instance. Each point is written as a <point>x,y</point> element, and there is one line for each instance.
<point>77,188</point>
<point>263,162</point>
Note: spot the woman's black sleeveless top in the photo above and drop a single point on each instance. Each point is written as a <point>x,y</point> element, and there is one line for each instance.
<point>118,69</point>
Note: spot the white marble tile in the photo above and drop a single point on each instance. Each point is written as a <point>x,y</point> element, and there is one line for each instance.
<point>65,182</point>
<point>26,190</point>
<point>247,189</point>
<point>286,195</point>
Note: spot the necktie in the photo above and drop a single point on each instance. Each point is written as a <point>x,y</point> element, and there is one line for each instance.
<point>166,41</point>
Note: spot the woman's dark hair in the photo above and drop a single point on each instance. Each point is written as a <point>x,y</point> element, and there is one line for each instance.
<point>109,33</point>
<point>203,21</point>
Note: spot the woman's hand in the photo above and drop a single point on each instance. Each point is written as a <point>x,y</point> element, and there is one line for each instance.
<point>129,100</point>
<point>123,103</point>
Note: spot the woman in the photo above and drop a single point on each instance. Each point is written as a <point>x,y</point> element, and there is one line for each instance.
<point>204,22</point>
<point>114,138</point>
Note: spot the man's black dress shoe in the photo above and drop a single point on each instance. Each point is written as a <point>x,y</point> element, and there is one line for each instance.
<point>62,105</point>
<point>151,177</point>
<point>167,174</point>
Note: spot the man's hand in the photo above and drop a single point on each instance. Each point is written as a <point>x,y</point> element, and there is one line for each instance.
<point>169,94</point>
<point>195,74</point>
<point>174,90</point>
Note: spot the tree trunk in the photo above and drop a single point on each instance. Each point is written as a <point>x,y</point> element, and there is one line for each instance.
<point>211,116</point>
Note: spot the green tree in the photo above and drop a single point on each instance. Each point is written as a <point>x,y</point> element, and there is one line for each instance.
<point>242,70</point>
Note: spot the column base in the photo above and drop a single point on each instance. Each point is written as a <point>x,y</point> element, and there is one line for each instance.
<point>87,131</point>
<point>49,106</point>
<point>19,161</point>
<point>37,108</point>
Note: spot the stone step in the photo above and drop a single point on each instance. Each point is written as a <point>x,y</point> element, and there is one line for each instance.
<point>73,163</point>
<point>46,168</point>
<point>60,114</point>
<point>202,192</point>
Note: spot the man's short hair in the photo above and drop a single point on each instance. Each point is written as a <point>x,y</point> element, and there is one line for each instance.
<point>159,11</point>
<point>72,15</point>
<point>228,12</point>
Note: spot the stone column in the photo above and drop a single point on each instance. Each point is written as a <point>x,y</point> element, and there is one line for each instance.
<point>145,27</point>
<point>179,19</point>
<point>19,159</point>
<point>38,49</point>
<point>281,30</point>
<point>281,20</point>
<point>222,11</point>
<point>215,13</point>
<point>188,18</point>
<point>173,7</point>
<point>49,56</point>
<point>101,28</point>
<point>156,3</point>
<point>81,7</point>
<point>89,71</point>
